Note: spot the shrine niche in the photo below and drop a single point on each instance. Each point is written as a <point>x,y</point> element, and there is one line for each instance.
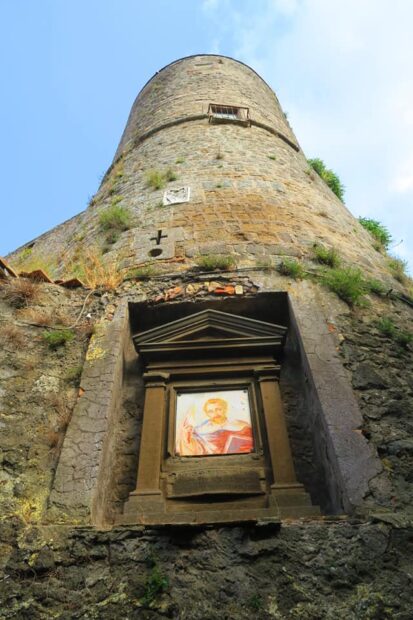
<point>214,446</point>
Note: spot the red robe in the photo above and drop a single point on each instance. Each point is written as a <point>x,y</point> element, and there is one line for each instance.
<point>209,438</point>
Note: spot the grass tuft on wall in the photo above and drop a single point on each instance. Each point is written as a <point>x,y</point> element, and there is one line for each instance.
<point>212,262</point>
<point>328,176</point>
<point>292,268</point>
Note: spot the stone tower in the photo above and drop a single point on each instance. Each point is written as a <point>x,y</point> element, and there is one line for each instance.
<point>251,192</point>
<point>234,394</point>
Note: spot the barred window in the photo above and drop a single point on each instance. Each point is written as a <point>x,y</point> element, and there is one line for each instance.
<point>219,112</point>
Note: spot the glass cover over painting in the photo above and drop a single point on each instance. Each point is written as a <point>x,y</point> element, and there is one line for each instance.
<point>213,422</point>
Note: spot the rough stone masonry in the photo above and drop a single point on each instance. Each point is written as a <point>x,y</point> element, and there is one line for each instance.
<point>71,406</point>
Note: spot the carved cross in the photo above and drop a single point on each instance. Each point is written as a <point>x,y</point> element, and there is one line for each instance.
<point>159,237</point>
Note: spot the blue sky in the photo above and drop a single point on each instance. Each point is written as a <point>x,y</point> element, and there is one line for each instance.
<point>72,68</point>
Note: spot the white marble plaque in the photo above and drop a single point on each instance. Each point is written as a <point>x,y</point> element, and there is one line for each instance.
<point>176,195</point>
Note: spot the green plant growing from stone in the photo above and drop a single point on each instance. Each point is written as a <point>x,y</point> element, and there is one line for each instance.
<point>146,271</point>
<point>115,177</point>
<point>388,328</point>
<point>328,176</point>
<point>34,261</point>
<point>404,338</point>
<point>398,268</point>
<point>73,374</point>
<point>115,218</point>
<point>57,338</point>
<point>170,175</point>
<point>24,254</point>
<point>111,238</point>
<point>265,264</point>
<point>118,171</point>
<point>273,157</point>
<point>255,602</point>
<point>348,283</point>
<point>213,262</point>
<point>155,179</point>
<point>156,583</point>
<point>291,268</point>
<point>378,231</point>
<point>326,256</point>
<point>79,237</point>
<point>180,160</point>
<point>116,200</point>
<point>375,286</point>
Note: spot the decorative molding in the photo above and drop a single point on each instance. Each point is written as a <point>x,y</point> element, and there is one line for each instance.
<point>210,331</point>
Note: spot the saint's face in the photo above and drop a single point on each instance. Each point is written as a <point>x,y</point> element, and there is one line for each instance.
<point>216,413</point>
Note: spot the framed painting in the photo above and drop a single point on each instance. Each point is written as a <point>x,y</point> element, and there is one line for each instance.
<point>213,422</point>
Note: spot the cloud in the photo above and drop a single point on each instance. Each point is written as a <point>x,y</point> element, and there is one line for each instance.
<point>342,70</point>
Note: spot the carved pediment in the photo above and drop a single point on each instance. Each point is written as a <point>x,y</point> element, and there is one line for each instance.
<point>210,330</point>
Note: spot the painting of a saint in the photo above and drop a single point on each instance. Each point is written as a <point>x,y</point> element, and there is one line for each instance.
<point>210,423</point>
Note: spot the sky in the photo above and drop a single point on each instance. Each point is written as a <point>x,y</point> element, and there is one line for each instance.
<point>71,70</point>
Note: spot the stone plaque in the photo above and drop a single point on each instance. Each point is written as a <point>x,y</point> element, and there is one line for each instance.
<point>215,482</point>
<point>176,195</point>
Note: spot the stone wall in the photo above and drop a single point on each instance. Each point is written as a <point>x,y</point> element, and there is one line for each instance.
<point>311,571</point>
<point>38,390</point>
<point>254,197</point>
<point>382,378</point>
<point>314,569</point>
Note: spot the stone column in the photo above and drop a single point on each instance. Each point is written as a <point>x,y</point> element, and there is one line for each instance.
<point>278,441</point>
<point>286,493</point>
<point>147,497</point>
<point>152,438</point>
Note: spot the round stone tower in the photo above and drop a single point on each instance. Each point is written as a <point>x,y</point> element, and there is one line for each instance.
<point>208,159</point>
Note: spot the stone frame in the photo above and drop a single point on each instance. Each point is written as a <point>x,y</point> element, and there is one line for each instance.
<point>213,349</point>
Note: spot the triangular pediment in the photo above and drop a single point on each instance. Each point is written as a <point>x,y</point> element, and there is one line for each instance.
<point>207,333</point>
<point>222,324</point>
<point>209,330</point>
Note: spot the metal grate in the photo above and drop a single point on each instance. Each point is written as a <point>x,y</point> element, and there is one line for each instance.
<point>218,112</point>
